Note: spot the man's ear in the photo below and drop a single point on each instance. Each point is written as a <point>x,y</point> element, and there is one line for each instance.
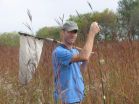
<point>61,34</point>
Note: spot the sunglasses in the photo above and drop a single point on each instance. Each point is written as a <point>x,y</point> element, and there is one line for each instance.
<point>74,31</point>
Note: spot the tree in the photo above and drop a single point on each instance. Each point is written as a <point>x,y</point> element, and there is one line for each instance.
<point>49,32</point>
<point>134,23</point>
<point>9,38</point>
<point>128,13</point>
<point>109,26</point>
<point>107,19</point>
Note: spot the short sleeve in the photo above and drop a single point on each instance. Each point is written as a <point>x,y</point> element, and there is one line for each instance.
<point>64,57</point>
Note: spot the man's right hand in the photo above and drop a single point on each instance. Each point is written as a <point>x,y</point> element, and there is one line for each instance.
<point>94,28</point>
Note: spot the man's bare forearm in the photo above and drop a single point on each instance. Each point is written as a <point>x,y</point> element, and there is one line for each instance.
<point>87,49</point>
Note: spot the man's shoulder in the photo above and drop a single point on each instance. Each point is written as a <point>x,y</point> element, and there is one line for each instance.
<point>59,50</point>
<point>62,50</point>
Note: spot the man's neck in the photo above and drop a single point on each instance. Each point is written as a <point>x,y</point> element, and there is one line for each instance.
<point>69,46</point>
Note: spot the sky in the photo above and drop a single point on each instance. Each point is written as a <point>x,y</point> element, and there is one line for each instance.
<point>13,13</point>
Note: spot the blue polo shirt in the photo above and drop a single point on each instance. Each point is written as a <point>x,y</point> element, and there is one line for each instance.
<point>68,79</point>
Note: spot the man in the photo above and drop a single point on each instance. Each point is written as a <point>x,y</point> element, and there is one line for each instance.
<point>68,64</point>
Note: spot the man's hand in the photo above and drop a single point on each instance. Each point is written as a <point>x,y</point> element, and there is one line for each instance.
<point>94,28</point>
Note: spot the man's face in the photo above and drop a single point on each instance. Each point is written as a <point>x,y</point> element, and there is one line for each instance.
<point>70,36</point>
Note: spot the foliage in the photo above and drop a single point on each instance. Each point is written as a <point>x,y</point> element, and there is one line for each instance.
<point>107,20</point>
<point>51,32</point>
<point>11,39</point>
<point>128,18</point>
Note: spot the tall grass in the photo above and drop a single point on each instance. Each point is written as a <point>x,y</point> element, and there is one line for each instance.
<point>119,76</point>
